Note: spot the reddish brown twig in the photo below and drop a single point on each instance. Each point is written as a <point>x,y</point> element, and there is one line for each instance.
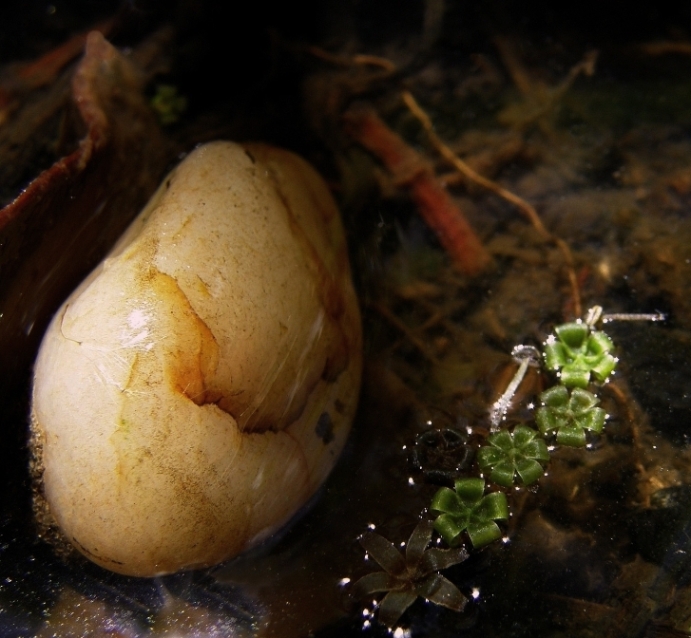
<point>408,169</point>
<point>663,47</point>
<point>360,59</point>
<point>20,78</point>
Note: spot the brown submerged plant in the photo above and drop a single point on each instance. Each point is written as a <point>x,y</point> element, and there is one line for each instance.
<point>404,579</point>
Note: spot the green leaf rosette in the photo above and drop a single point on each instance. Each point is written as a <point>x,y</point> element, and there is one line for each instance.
<point>468,509</point>
<point>570,415</point>
<point>577,353</point>
<point>514,454</point>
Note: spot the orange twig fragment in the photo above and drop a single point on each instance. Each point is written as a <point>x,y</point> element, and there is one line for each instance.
<point>409,169</point>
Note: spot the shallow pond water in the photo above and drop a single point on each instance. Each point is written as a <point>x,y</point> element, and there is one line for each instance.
<point>600,544</point>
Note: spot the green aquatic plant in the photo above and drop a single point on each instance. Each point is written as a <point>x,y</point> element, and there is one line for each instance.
<point>570,415</point>
<point>467,508</point>
<point>406,579</point>
<point>168,104</point>
<point>510,454</point>
<point>577,352</point>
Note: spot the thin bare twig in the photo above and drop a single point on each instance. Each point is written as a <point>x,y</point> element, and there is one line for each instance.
<point>359,59</point>
<point>666,46</point>
<point>392,319</point>
<point>463,168</point>
<point>539,98</point>
<point>527,209</point>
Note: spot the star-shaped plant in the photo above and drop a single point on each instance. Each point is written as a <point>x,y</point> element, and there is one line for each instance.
<point>509,454</point>
<point>468,509</point>
<point>570,415</point>
<point>577,351</point>
<point>407,578</point>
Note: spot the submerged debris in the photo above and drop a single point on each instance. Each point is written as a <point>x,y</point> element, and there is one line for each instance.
<point>441,455</point>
